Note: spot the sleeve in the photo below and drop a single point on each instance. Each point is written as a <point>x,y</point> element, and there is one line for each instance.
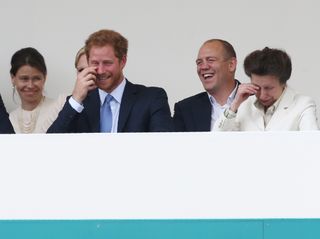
<point>308,118</point>
<point>65,120</point>
<point>160,120</point>
<point>179,124</point>
<point>227,121</point>
<point>5,124</point>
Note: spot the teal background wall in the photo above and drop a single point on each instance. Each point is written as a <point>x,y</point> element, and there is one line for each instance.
<point>161,229</point>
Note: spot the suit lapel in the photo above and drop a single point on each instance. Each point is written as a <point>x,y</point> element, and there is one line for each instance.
<point>127,101</point>
<point>92,107</point>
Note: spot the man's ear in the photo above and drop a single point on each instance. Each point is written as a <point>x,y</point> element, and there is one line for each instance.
<point>123,61</point>
<point>233,64</point>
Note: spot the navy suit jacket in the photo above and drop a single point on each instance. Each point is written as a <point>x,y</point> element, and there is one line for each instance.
<point>193,114</point>
<point>5,124</point>
<point>142,109</point>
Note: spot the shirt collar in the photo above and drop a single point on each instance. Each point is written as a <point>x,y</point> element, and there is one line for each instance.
<point>116,93</point>
<point>230,97</point>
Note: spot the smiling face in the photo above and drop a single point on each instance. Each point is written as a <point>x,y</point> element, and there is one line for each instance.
<point>270,89</point>
<point>29,83</point>
<point>108,67</point>
<point>213,67</point>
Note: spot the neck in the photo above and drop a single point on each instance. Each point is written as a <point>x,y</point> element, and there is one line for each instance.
<point>221,95</point>
<point>29,106</point>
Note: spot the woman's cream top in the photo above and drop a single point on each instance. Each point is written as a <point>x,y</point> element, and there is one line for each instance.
<point>39,119</point>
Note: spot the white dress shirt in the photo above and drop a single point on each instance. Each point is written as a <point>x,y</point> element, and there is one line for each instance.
<point>218,109</point>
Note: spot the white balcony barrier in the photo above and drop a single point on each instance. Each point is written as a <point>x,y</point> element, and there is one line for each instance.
<point>161,175</point>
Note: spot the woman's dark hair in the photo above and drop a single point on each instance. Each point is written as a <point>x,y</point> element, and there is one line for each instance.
<point>269,61</point>
<point>28,56</point>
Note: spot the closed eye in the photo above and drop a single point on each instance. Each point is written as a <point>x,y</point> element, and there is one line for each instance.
<point>198,62</point>
<point>80,69</point>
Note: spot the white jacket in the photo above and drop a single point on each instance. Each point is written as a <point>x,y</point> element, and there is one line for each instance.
<point>294,112</point>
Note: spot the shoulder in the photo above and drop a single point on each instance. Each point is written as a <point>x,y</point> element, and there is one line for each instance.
<point>60,101</point>
<point>57,102</point>
<point>15,111</point>
<point>305,99</point>
<point>298,99</point>
<point>62,98</point>
<point>13,115</point>
<point>145,90</point>
<point>203,96</point>
<point>51,107</point>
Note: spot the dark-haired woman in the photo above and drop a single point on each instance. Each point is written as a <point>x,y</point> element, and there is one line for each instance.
<point>28,75</point>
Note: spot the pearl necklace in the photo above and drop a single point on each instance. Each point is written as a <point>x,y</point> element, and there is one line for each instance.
<point>28,119</point>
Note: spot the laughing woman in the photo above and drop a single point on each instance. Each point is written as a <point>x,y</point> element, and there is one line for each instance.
<point>28,75</point>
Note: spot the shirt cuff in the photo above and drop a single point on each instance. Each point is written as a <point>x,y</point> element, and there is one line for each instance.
<point>229,114</point>
<point>75,105</point>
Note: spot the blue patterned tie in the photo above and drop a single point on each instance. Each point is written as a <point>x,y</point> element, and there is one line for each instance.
<point>106,115</point>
